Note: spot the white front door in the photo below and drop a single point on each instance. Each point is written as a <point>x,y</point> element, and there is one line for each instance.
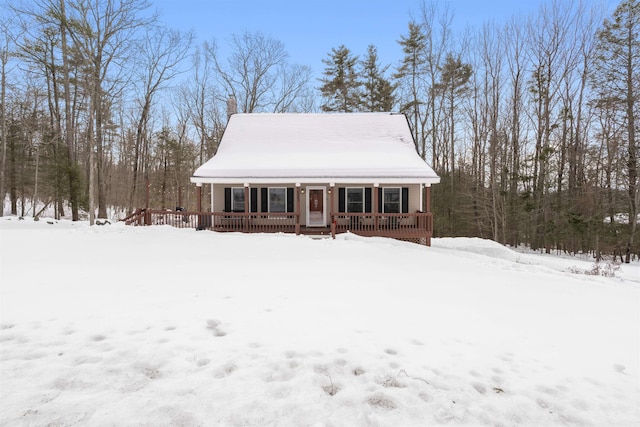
<point>316,207</point>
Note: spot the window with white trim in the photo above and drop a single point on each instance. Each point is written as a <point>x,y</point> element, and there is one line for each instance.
<point>391,200</point>
<point>237,199</point>
<point>277,199</point>
<point>355,199</point>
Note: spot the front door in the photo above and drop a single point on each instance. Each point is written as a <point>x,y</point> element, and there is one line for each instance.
<point>316,212</point>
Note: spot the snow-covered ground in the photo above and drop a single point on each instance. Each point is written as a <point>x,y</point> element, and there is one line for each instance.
<point>118,326</point>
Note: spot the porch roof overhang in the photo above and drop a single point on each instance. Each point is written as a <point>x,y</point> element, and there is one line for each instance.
<point>256,180</point>
<point>358,148</point>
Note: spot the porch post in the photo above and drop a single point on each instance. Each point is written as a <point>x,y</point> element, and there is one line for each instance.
<point>199,205</point>
<point>297,209</point>
<point>199,197</point>
<point>427,191</point>
<point>375,205</point>
<point>213,218</point>
<point>428,198</point>
<point>245,222</point>
<point>331,213</point>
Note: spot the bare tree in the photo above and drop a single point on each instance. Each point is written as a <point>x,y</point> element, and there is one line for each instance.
<point>198,97</point>
<point>437,28</point>
<point>7,37</point>
<point>291,92</point>
<point>570,214</point>
<point>103,32</point>
<point>43,44</point>
<point>258,75</point>
<point>548,36</point>
<point>488,141</point>
<point>515,58</point>
<point>159,57</point>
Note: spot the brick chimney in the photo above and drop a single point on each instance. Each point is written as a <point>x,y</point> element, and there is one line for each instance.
<point>232,106</point>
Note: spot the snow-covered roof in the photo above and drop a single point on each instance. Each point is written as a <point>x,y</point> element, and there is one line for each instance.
<point>316,148</point>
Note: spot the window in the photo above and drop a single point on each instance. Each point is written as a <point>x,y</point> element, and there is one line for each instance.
<point>277,199</point>
<point>391,200</point>
<point>355,199</point>
<point>237,199</point>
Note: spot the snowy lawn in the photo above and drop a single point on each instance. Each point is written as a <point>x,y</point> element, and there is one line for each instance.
<point>115,325</point>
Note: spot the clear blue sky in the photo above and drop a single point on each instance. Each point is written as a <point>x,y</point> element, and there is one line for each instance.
<point>309,29</point>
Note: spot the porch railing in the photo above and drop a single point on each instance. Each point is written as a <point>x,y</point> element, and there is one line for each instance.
<point>136,218</point>
<point>416,226</point>
<point>218,221</point>
<point>398,225</point>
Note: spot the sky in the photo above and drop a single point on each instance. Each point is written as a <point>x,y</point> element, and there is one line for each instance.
<point>309,29</point>
<point>159,326</point>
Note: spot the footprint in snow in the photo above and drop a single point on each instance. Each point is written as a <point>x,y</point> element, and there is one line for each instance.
<point>214,325</point>
<point>619,368</point>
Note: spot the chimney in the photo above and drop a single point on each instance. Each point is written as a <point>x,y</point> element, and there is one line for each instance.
<point>232,106</point>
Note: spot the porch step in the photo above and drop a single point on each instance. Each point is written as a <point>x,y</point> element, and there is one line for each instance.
<point>316,231</point>
<point>318,236</point>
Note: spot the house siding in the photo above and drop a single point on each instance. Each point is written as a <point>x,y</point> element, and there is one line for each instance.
<point>257,193</point>
<point>413,191</point>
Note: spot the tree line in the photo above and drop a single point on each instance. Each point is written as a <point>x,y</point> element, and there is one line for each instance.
<point>531,123</point>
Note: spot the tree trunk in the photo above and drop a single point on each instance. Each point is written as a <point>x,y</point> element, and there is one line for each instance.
<point>632,162</point>
<point>3,128</point>
<point>72,169</point>
<point>92,182</point>
<point>99,114</point>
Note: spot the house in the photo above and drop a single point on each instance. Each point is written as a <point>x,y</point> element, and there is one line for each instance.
<point>323,173</point>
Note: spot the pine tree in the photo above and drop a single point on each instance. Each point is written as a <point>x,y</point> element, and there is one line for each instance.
<point>411,71</point>
<point>617,81</point>
<point>378,94</point>
<point>340,86</point>
<point>454,86</point>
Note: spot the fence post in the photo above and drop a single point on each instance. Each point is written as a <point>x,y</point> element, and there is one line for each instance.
<point>333,226</point>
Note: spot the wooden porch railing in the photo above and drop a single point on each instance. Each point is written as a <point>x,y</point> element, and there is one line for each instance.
<point>418,225</point>
<point>412,226</point>
<point>136,218</point>
<point>218,221</point>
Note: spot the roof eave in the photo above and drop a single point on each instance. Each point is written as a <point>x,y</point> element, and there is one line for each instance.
<point>316,180</point>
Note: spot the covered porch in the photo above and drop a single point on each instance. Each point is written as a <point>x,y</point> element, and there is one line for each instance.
<point>417,227</point>
<point>315,210</point>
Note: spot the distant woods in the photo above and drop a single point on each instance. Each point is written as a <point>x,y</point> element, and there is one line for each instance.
<point>531,123</point>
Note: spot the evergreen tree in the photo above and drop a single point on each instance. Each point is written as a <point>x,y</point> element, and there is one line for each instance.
<point>617,81</point>
<point>378,94</point>
<point>340,85</point>
<point>411,71</point>
<point>454,86</point>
